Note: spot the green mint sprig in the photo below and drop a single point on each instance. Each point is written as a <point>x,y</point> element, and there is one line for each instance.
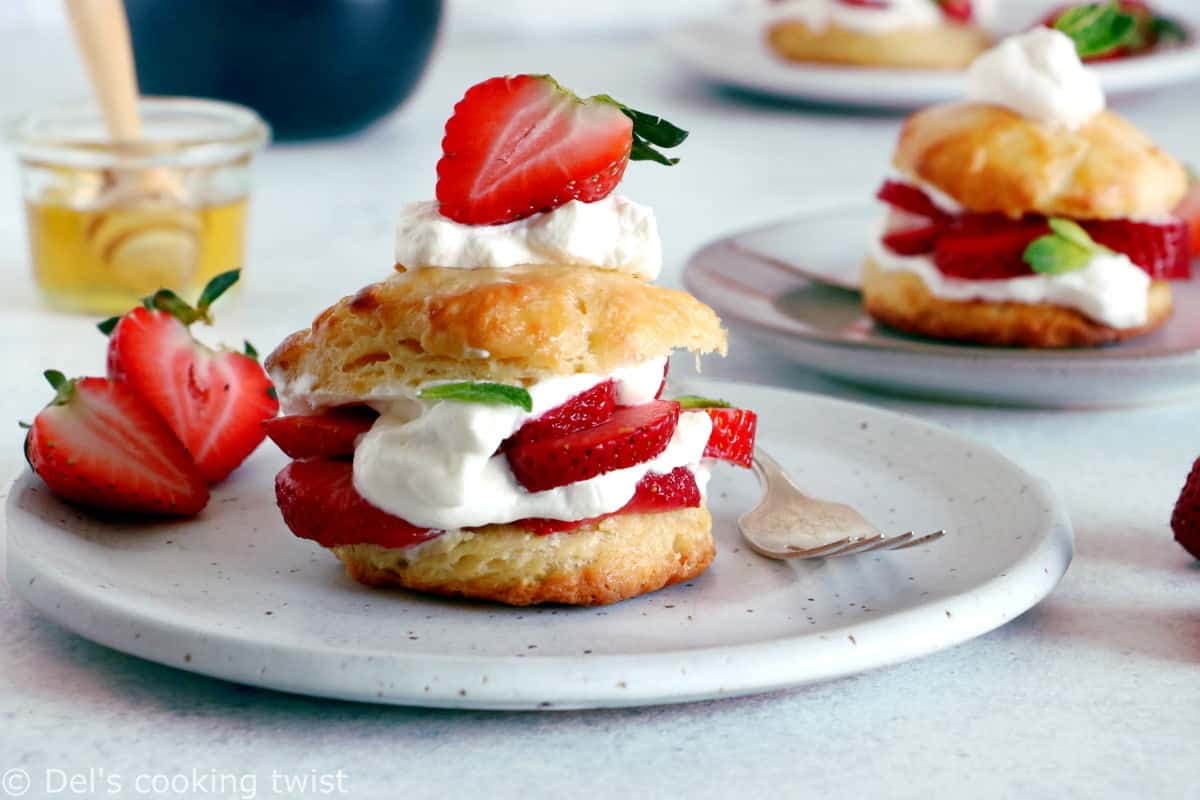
<point>492,394</point>
<point>1065,249</point>
<point>1097,28</point>
<point>696,401</point>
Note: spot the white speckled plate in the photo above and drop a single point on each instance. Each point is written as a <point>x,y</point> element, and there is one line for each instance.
<point>232,594</point>
<point>793,285</point>
<point>729,51</point>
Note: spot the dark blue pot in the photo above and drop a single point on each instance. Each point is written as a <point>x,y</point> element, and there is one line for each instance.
<point>311,68</point>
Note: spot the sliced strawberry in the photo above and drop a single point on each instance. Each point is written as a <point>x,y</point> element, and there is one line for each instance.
<point>584,410</point>
<point>655,492</point>
<point>100,445</point>
<point>957,10</point>
<point>914,241</point>
<point>732,437</point>
<point>1161,249</point>
<point>632,435</point>
<point>907,197</point>
<point>662,387</point>
<point>215,402</point>
<point>522,144</point>
<point>987,246</point>
<point>331,434</point>
<point>1189,212</point>
<point>1185,520</point>
<point>319,502</point>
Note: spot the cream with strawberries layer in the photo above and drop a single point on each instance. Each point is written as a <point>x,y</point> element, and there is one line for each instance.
<point>435,464</point>
<point>1110,289</point>
<point>874,20</point>
<point>613,233</point>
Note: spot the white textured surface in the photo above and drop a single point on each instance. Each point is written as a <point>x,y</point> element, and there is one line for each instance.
<point>1093,694</point>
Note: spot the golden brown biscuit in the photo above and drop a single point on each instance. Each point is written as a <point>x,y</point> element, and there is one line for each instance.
<point>901,300</point>
<point>605,562</point>
<point>938,47</point>
<point>515,325</point>
<point>989,158</point>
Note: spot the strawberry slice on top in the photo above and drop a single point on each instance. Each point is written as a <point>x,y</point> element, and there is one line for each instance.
<point>214,401</point>
<point>522,144</point>
<point>100,445</point>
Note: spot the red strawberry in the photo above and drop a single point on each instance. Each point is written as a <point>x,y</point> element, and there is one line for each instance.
<point>732,437</point>
<point>1185,521</point>
<point>100,445</point>
<point>584,410</point>
<point>215,402</point>
<point>632,435</point>
<point>1189,212</point>
<point>331,434</point>
<point>522,144</point>
<point>655,492</point>
<point>319,502</point>
<point>914,241</point>
<point>1162,250</point>
<point>987,246</point>
<point>907,197</point>
<point>957,10</point>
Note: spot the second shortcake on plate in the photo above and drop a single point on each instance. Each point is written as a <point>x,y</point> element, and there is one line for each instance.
<point>1028,216</point>
<point>488,421</point>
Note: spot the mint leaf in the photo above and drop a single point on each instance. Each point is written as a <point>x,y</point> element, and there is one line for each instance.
<point>1066,248</point>
<point>493,394</point>
<point>1096,28</point>
<point>695,401</point>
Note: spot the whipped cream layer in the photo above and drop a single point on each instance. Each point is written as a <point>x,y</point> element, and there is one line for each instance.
<point>613,233</point>
<point>897,14</point>
<point>435,465</point>
<point>1111,289</point>
<point>1039,75</point>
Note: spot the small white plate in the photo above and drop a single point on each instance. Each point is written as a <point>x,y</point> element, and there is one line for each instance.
<point>793,285</point>
<point>232,594</point>
<point>730,51</point>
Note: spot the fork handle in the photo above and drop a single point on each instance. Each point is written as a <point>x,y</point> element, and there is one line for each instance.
<point>769,472</point>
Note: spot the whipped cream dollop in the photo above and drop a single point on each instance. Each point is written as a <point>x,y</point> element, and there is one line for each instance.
<point>612,233</point>
<point>1039,75</point>
<point>896,14</point>
<point>1111,289</point>
<point>436,466</point>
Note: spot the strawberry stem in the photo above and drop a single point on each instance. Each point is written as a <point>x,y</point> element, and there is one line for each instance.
<point>215,288</point>
<point>64,388</point>
<point>649,131</point>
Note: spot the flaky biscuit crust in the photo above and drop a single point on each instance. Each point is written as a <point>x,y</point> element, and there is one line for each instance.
<point>605,562</point>
<point>901,300</point>
<point>989,158</point>
<point>938,47</point>
<point>516,325</point>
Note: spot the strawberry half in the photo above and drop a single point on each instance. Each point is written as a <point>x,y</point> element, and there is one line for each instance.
<point>214,401</point>
<point>732,437</point>
<point>319,502</point>
<point>631,436</point>
<point>584,410</point>
<point>100,445</point>
<point>655,492</point>
<point>1161,249</point>
<point>1185,520</point>
<point>522,144</point>
<point>987,246</point>
<point>332,434</point>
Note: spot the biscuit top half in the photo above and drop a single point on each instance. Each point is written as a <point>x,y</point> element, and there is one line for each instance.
<point>516,326</point>
<point>989,158</point>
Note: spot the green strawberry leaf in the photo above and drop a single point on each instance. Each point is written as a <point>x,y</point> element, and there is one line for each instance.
<point>493,394</point>
<point>63,387</point>
<point>215,288</point>
<point>1066,248</point>
<point>649,131</point>
<point>1097,28</point>
<point>696,401</point>
<point>108,325</point>
<point>1165,29</point>
<point>250,350</point>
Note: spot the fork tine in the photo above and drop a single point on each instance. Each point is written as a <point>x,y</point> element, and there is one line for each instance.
<point>891,542</point>
<point>833,548</point>
<point>932,537</point>
<point>845,547</point>
<point>867,545</point>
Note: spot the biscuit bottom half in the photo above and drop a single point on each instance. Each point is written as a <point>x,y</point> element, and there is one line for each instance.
<point>938,47</point>
<point>604,562</point>
<point>901,300</point>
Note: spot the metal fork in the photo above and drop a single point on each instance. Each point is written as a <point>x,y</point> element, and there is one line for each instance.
<point>787,523</point>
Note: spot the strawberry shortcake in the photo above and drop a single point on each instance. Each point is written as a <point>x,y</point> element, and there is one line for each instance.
<point>489,421</point>
<point>930,34</point>
<point>1028,216</point>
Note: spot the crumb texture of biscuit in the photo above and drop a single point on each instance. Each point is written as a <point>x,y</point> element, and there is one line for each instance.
<point>901,301</point>
<point>938,47</point>
<point>612,560</point>
<point>516,325</point>
<point>991,159</point>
